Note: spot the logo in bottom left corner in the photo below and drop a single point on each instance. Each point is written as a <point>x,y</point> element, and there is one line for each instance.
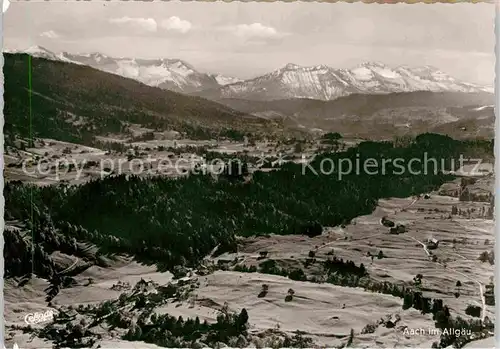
<point>38,317</point>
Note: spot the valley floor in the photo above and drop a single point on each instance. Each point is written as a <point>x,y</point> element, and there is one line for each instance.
<point>323,311</point>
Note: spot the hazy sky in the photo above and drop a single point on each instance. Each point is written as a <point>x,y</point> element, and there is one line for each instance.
<point>248,39</point>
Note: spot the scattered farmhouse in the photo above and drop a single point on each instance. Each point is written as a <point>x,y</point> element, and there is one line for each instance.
<point>432,244</point>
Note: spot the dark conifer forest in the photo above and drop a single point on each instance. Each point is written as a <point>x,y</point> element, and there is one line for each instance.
<point>172,222</point>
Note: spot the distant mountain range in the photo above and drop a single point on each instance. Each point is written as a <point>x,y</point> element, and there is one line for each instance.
<point>326,83</point>
<point>291,81</point>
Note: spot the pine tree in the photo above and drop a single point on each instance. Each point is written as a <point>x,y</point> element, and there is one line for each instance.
<point>407,301</point>
<point>242,320</point>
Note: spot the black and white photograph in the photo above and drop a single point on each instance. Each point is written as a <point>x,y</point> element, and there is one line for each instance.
<point>248,175</point>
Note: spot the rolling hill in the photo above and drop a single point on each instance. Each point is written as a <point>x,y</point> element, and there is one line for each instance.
<point>74,103</point>
<point>382,115</point>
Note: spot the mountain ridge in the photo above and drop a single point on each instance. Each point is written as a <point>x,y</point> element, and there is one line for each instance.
<point>168,73</point>
<point>326,83</point>
<point>320,82</point>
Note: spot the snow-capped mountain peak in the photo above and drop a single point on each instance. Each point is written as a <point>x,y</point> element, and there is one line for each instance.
<point>42,52</point>
<point>225,80</point>
<point>37,50</point>
<point>168,73</point>
<point>327,83</point>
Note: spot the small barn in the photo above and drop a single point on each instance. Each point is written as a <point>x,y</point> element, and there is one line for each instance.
<point>432,244</point>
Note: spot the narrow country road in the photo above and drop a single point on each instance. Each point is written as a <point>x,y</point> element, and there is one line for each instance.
<point>70,267</point>
<point>483,302</point>
<point>481,291</point>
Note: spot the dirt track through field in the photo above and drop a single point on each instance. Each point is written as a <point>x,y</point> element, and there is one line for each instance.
<point>483,302</point>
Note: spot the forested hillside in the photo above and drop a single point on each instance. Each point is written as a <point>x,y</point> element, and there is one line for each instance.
<point>74,103</point>
<point>178,221</point>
